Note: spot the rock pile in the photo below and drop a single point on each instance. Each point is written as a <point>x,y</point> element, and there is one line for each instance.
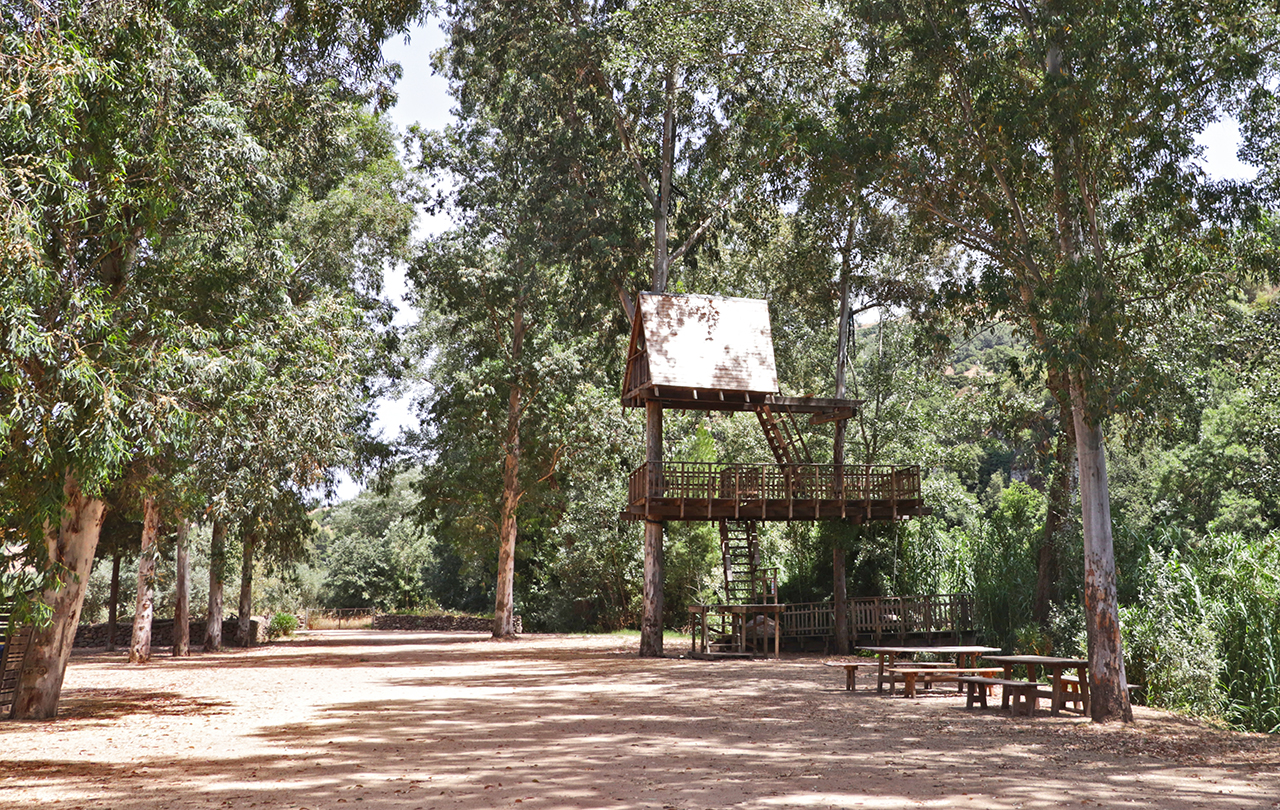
<point>95,635</point>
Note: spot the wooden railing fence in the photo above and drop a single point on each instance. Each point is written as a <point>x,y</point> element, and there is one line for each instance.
<point>884,618</point>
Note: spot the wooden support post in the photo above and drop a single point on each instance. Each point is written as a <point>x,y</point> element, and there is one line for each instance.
<point>651,621</point>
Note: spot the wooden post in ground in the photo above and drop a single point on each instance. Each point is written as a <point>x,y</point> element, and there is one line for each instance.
<point>651,622</point>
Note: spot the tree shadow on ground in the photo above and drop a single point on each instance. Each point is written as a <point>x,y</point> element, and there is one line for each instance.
<point>480,726</point>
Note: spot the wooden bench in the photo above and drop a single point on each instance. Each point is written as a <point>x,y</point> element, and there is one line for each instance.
<point>850,671</point>
<point>1019,697</point>
<point>887,675</point>
<point>1071,689</point>
<point>929,675</point>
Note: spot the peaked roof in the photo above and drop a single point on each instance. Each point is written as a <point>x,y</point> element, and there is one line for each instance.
<point>704,342</point>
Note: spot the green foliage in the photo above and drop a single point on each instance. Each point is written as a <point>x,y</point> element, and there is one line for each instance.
<point>282,624</point>
<point>372,555</point>
<point>1205,631</point>
<point>1005,564</point>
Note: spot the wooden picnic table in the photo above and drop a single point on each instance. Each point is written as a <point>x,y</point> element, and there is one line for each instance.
<point>1053,667</point>
<point>966,657</point>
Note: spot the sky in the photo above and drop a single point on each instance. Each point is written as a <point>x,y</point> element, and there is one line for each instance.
<point>424,99</point>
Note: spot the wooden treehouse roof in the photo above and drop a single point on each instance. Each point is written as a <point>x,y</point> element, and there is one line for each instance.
<point>700,352</point>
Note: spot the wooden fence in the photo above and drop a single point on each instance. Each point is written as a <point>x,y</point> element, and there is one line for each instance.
<point>884,619</point>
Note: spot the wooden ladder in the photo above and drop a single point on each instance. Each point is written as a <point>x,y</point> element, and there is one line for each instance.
<point>783,437</point>
<point>14,641</point>
<point>739,548</point>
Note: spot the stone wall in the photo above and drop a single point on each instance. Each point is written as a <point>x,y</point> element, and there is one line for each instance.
<point>470,624</point>
<point>95,635</point>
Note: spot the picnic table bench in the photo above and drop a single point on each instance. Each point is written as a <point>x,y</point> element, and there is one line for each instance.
<point>850,670</point>
<point>1018,697</point>
<point>929,675</point>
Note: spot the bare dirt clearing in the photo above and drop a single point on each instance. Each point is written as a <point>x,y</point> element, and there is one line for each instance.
<point>436,720</point>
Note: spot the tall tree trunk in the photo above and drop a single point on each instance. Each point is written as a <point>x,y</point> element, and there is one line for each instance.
<point>1059,503</point>
<point>839,576</point>
<point>651,622</point>
<point>840,598</point>
<point>245,629</point>
<point>182,599</point>
<point>144,606</point>
<point>1109,699</point>
<point>217,576</point>
<point>504,625</point>
<point>71,545</point>
<point>113,608</point>
<point>662,202</point>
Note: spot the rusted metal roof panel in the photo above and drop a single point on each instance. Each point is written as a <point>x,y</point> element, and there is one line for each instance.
<point>699,341</point>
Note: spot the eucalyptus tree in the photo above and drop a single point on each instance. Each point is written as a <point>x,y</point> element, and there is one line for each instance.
<point>1056,142</point>
<point>654,102</point>
<point>134,134</point>
<point>513,299</point>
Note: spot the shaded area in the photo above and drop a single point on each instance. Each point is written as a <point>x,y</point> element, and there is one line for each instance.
<point>578,723</point>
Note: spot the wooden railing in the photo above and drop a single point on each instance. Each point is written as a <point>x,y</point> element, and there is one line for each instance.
<point>739,482</point>
<point>884,617</point>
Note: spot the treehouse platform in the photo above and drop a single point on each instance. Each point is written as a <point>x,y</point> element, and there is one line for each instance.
<point>687,490</point>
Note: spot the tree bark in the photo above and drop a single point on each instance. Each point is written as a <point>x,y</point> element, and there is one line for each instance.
<point>504,625</point>
<point>113,608</point>
<point>1109,699</point>
<point>841,600</point>
<point>662,203</point>
<point>144,606</point>
<point>651,622</point>
<point>217,575</point>
<point>839,576</point>
<point>245,628</point>
<point>182,599</point>
<point>71,545</point>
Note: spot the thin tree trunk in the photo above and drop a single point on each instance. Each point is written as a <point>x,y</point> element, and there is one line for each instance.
<point>144,607</point>
<point>1109,699</point>
<point>245,629</point>
<point>113,608</point>
<point>217,576</point>
<point>182,599</point>
<point>662,204</point>
<point>504,625</point>
<point>71,545</point>
<point>839,576</point>
<point>1059,503</point>
<point>651,622</point>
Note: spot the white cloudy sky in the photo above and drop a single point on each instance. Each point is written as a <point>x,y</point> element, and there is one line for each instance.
<point>424,99</point>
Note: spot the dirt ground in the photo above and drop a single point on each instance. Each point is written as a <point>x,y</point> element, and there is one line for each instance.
<point>434,720</point>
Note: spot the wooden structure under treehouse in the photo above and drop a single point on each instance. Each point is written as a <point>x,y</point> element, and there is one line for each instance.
<point>703,353</point>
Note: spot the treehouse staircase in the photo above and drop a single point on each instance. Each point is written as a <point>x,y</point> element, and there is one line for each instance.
<point>745,583</point>
<point>739,547</point>
<point>784,437</point>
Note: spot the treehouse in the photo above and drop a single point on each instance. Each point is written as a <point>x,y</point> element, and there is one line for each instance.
<point>696,352</point>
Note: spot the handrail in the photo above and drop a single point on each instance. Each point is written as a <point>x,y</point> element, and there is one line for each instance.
<point>710,480</point>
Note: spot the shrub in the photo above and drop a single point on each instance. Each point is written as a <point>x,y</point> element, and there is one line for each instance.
<point>282,624</point>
